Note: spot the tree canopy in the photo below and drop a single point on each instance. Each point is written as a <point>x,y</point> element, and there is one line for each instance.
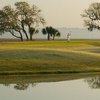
<point>20,19</point>
<point>92,16</point>
<point>51,32</point>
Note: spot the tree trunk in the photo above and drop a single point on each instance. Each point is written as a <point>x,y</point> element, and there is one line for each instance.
<point>31,34</point>
<point>53,37</point>
<point>20,37</point>
<point>48,36</point>
<point>31,37</point>
<point>25,34</point>
<point>22,24</point>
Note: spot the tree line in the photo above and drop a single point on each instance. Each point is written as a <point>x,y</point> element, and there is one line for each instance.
<point>24,20</point>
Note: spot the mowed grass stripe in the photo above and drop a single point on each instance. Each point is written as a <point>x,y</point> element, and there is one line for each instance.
<point>46,61</point>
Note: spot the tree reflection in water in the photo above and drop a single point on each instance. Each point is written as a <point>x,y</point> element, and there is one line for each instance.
<point>6,84</point>
<point>21,86</point>
<point>93,82</point>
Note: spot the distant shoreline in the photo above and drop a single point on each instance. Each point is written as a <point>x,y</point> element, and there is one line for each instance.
<point>18,40</point>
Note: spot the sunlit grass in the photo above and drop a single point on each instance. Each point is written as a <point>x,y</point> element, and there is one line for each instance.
<point>49,57</point>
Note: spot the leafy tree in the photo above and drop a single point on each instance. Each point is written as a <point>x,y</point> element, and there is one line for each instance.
<point>55,33</point>
<point>93,82</point>
<point>33,31</point>
<point>24,20</point>
<point>29,17</point>
<point>8,22</point>
<point>51,32</point>
<point>47,31</point>
<point>92,16</point>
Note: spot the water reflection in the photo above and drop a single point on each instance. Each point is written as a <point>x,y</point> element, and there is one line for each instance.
<point>24,84</point>
<point>59,87</point>
<point>93,82</point>
<point>21,86</point>
<point>6,84</point>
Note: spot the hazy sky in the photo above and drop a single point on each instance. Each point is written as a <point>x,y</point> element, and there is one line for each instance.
<point>59,13</point>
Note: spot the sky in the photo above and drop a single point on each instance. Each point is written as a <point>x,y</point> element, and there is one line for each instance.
<point>59,13</point>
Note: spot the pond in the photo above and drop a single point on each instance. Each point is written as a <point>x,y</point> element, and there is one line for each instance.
<point>76,89</point>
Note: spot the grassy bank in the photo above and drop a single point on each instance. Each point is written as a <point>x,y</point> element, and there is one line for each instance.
<point>43,57</point>
<point>37,78</point>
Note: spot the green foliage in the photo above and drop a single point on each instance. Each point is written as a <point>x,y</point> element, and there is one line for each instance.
<point>8,22</point>
<point>44,31</point>
<point>52,32</point>
<point>33,31</point>
<point>20,19</point>
<point>29,17</point>
<point>92,16</point>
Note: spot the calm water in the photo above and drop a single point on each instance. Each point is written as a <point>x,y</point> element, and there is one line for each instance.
<point>76,33</point>
<point>80,89</point>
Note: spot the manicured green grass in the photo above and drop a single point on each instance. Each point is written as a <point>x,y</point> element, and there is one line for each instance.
<point>42,57</point>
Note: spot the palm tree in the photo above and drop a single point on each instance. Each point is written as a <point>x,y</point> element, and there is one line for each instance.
<point>47,31</point>
<point>33,31</point>
<point>55,33</point>
<point>51,32</point>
